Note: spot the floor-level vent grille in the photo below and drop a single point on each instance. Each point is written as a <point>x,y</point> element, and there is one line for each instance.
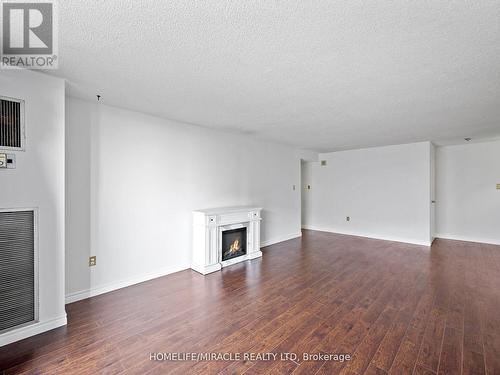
<point>17,268</point>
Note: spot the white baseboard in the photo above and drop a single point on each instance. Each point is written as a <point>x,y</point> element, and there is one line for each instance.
<point>31,330</point>
<point>97,290</point>
<point>274,240</point>
<point>368,235</point>
<point>456,237</point>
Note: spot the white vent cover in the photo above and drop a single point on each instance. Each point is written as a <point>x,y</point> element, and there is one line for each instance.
<point>11,123</point>
<point>18,295</point>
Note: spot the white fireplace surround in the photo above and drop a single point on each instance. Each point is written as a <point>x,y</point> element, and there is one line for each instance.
<point>208,226</point>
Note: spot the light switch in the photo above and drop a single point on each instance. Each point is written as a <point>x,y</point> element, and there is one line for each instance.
<point>3,160</point>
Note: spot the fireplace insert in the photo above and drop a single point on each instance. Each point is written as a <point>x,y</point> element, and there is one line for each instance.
<point>234,243</point>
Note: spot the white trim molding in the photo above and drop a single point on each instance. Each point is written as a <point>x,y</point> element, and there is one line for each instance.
<point>457,237</point>
<point>101,289</point>
<point>31,329</point>
<point>369,235</point>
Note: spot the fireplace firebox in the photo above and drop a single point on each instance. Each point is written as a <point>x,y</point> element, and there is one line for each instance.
<point>234,243</point>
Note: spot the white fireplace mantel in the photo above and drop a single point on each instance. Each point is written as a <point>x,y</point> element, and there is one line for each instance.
<point>208,226</point>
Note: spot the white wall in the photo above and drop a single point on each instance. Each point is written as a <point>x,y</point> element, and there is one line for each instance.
<point>468,203</point>
<point>433,192</point>
<point>386,192</point>
<point>38,181</point>
<point>142,178</point>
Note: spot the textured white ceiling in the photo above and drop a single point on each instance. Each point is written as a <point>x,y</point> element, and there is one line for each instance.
<point>317,74</point>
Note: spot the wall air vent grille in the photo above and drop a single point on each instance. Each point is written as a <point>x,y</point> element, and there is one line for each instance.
<point>17,268</point>
<point>11,123</point>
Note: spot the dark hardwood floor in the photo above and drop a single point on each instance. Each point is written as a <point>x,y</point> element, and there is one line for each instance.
<point>395,308</point>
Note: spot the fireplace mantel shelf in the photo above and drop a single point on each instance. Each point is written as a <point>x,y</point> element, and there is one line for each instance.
<point>208,226</point>
<point>225,210</point>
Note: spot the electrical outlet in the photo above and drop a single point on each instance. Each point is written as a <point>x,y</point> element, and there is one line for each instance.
<point>92,261</point>
<point>347,218</point>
